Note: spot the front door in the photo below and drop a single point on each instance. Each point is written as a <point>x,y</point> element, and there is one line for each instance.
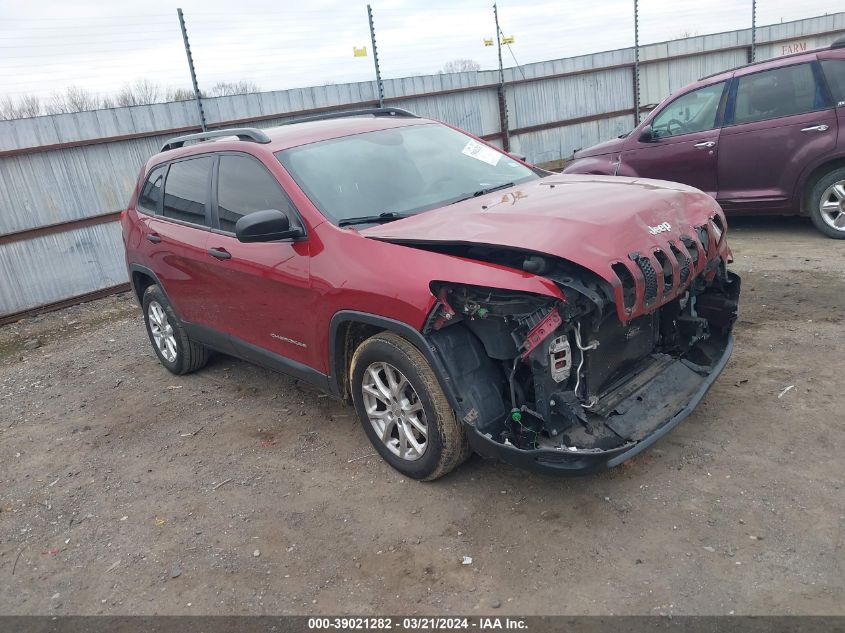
<point>777,122</point>
<point>263,290</point>
<point>684,143</point>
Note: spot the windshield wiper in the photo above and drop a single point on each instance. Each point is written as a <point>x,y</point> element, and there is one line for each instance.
<point>389,216</point>
<point>482,192</point>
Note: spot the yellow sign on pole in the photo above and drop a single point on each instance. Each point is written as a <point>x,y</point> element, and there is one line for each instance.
<point>359,52</point>
<point>488,42</point>
<point>508,40</point>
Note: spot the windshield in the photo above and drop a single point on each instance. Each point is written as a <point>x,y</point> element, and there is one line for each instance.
<point>398,171</point>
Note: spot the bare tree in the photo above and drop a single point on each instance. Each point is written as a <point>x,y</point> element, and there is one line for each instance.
<point>179,94</point>
<point>142,92</point>
<point>23,107</point>
<point>228,88</point>
<point>461,66</point>
<point>73,99</point>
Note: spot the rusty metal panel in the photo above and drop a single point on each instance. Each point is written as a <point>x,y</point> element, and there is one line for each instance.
<point>548,145</point>
<point>56,186</point>
<point>476,112</point>
<point>54,267</point>
<point>570,97</point>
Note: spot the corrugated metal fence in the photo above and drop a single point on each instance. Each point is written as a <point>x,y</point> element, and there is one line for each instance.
<point>64,178</point>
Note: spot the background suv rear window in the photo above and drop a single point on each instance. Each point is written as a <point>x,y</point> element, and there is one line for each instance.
<point>776,93</point>
<point>151,191</point>
<point>186,191</point>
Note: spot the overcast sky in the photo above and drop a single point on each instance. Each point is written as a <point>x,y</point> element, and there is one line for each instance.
<point>48,45</point>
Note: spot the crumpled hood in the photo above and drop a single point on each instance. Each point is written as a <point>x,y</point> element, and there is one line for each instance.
<point>605,147</point>
<point>593,221</point>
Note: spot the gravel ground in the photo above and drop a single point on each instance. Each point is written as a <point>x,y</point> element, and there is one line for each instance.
<point>125,490</point>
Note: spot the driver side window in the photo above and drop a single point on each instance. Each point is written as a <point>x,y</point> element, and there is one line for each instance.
<point>693,112</point>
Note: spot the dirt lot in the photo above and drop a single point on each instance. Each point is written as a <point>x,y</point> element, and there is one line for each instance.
<point>126,490</point>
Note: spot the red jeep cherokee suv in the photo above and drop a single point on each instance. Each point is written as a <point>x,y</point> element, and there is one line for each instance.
<point>460,298</point>
<point>765,138</point>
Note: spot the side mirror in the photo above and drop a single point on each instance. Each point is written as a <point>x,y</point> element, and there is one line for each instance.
<point>517,156</point>
<point>646,135</point>
<point>266,226</point>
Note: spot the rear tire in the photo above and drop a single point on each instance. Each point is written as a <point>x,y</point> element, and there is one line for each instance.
<point>403,409</point>
<point>171,343</point>
<point>826,203</point>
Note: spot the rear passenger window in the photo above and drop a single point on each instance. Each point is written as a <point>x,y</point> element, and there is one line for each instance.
<point>150,194</point>
<point>776,93</point>
<point>244,186</point>
<point>834,72</point>
<point>187,189</point>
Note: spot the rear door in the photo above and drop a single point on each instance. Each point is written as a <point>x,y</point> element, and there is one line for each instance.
<point>685,141</point>
<point>263,290</point>
<point>777,121</point>
<point>177,236</point>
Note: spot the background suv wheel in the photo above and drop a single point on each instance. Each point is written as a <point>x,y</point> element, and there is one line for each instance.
<point>826,203</point>
<point>170,341</point>
<point>403,409</point>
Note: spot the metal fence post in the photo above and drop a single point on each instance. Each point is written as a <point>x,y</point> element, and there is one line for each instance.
<point>503,102</point>
<point>636,62</point>
<point>191,68</point>
<point>379,83</point>
<point>753,31</point>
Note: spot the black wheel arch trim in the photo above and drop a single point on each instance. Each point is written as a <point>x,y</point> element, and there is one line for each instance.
<point>417,338</point>
<point>811,174</point>
<point>138,268</point>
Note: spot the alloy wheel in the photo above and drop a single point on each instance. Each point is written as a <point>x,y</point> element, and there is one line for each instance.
<point>395,411</point>
<point>832,206</point>
<point>162,331</point>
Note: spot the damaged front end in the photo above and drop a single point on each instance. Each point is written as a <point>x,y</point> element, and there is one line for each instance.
<point>584,381</point>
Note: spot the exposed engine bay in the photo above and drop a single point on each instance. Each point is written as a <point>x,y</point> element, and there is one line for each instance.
<point>536,373</point>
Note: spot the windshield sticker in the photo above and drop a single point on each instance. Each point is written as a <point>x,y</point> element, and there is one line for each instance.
<point>481,152</point>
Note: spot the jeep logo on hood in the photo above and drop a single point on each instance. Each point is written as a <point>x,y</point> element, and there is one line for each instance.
<point>660,228</point>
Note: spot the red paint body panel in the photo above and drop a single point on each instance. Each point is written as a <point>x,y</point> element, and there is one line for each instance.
<point>592,221</point>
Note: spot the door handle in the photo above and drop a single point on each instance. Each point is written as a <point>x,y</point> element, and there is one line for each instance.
<point>817,128</point>
<point>219,253</point>
<point>705,145</point>
<point>152,237</point>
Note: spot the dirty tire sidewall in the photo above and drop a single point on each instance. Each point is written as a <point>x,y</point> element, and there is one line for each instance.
<point>190,356</point>
<point>447,445</point>
<point>814,199</point>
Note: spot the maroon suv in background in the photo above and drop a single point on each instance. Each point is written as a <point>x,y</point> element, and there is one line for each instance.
<point>764,138</point>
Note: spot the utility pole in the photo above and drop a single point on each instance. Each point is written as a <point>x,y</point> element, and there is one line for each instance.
<point>753,31</point>
<point>503,104</point>
<point>191,68</point>
<point>379,84</point>
<point>636,62</point>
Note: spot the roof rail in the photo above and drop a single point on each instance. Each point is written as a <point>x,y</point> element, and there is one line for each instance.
<point>840,43</point>
<point>376,112</point>
<point>243,133</point>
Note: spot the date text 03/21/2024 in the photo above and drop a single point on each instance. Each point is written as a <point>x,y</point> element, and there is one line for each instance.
<point>418,623</point>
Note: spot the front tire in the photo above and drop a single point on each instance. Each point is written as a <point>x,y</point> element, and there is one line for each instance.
<point>403,409</point>
<point>826,204</point>
<point>171,343</point>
